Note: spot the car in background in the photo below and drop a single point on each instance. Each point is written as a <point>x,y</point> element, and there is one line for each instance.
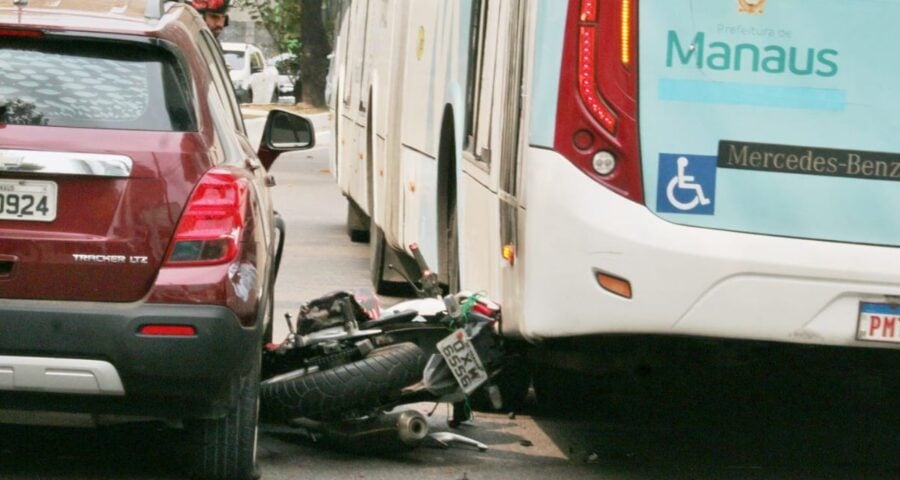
<point>254,80</point>
<point>285,86</point>
<point>288,66</point>
<point>286,63</point>
<point>138,243</point>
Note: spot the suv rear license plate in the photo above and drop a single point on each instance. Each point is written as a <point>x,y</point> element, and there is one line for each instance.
<point>31,200</point>
<point>463,360</point>
<point>879,322</point>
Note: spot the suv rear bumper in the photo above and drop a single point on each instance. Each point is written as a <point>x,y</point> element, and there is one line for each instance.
<point>167,377</point>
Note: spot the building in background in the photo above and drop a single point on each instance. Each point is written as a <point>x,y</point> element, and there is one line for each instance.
<point>243,29</point>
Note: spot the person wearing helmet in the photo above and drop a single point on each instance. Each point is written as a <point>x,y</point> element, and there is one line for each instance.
<point>215,12</point>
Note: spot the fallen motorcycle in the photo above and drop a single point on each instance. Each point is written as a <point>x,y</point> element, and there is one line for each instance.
<point>344,363</point>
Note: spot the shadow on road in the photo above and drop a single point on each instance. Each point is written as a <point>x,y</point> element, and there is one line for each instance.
<point>817,415</point>
<point>133,452</point>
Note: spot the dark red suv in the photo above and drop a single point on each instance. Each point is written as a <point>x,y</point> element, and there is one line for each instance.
<point>138,245</point>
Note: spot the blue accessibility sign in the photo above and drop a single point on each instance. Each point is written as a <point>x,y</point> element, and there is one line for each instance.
<point>686,184</point>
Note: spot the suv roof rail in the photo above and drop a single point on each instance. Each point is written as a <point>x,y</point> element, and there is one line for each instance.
<point>156,8</point>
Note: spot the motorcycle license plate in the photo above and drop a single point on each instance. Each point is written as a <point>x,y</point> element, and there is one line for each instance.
<point>463,360</point>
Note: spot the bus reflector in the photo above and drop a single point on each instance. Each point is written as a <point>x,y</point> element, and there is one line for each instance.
<point>616,285</point>
<point>168,330</point>
<point>509,254</point>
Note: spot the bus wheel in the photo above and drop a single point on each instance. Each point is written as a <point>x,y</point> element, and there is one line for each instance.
<point>357,223</point>
<point>376,258</point>
<point>453,284</point>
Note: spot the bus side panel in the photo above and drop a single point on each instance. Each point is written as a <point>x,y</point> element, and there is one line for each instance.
<point>389,188</point>
<point>480,257</point>
<point>351,130</point>
<point>376,74</point>
<point>544,40</point>
<point>421,87</point>
<point>430,59</point>
<point>420,225</point>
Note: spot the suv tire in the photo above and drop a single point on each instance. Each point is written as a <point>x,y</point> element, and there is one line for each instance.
<point>225,448</point>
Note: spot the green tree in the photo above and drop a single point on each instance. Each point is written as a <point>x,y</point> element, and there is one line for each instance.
<point>298,27</point>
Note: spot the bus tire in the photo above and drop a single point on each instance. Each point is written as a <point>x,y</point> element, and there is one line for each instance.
<point>453,283</point>
<point>371,382</point>
<point>377,246</point>
<point>357,223</point>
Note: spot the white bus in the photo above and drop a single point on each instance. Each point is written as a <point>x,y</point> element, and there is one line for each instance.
<point>719,169</point>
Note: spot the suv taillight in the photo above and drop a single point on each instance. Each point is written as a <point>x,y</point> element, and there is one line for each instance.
<point>596,123</point>
<point>212,222</point>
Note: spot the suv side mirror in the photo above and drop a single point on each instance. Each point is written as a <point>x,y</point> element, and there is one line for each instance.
<point>284,132</point>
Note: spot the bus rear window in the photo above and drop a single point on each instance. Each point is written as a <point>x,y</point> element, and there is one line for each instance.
<point>86,84</point>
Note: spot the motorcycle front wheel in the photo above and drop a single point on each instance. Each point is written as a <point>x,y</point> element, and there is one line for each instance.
<point>371,382</point>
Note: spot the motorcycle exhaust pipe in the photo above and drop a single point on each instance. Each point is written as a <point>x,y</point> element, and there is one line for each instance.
<point>390,432</point>
<point>412,427</point>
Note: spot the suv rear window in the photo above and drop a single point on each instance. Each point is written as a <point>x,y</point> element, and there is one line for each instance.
<point>93,85</point>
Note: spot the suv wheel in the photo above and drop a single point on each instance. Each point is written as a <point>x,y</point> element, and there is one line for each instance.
<point>225,448</point>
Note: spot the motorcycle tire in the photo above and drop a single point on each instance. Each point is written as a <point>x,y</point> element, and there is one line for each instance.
<point>371,382</point>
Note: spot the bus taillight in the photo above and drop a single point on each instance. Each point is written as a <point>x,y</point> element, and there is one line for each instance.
<point>587,84</point>
<point>597,109</point>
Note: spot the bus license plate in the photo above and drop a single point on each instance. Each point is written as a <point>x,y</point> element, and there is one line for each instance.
<point>463,360</point>
<point>31,200</point>
<point>879,322</point>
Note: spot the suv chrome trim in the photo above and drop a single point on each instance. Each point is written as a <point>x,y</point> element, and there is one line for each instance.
<point>65,163</point>
<point>59,375</point>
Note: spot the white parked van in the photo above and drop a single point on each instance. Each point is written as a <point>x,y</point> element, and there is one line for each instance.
<point>254,81</point>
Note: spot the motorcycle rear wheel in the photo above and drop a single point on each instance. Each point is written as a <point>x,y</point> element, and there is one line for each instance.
<point>371,382</point>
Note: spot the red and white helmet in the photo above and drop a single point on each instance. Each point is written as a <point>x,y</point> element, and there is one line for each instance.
<point>211,6</point>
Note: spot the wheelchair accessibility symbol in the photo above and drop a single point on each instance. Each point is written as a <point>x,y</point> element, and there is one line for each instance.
<point>687,184</point>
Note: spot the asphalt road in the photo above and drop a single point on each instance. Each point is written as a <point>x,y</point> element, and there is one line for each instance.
<point>776,422</point>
